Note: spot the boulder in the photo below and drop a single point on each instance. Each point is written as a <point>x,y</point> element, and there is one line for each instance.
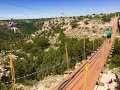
<point>113,85</point>
<point>107,81</point>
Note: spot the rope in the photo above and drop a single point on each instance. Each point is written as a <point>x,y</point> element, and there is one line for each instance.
<point>86,74</point>
<point>47,68</point>
<point>61,87</point>
<point>12,72</point>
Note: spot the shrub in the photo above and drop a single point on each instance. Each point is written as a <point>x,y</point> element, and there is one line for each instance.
<point>86,22</point>
<point>115,60</point>
<point>41,42</point>
<point>74,24</point>
<point>106,19</point>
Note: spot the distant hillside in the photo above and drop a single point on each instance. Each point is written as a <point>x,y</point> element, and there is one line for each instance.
<point>90,26</point>
<point>29,26</point>
<point>41,43</point>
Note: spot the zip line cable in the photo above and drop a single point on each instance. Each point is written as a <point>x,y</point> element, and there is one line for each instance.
<point>36,11</point>
<point>29,8</point>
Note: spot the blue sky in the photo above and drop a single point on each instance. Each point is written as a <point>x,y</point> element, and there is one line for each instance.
<point>54,8</point>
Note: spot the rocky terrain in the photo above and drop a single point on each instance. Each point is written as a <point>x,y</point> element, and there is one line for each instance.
<point>108,80</point>
<point>73,28</point>
<point>92,28</point>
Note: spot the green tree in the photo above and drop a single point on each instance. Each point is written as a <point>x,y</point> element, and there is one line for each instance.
<point>74,24</point>
<point>41,42</point>
<point>106,18</point>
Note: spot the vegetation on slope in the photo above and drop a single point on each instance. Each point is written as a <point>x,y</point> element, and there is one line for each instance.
<point>115,60</point>
<point>32,56</point>
<point>9,40</point>
<point>29,26</point>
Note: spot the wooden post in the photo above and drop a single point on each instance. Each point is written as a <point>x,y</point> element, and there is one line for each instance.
<point>98,42</point>
<point>12,72</point>
<point>98,37</point>
<point>115,14</point>
<point>67,60</point>
<point>3,65</point>
<point>118,32</point>
<point>85,83</point>
<point>84,48</point>
<point>93,45</point>
<point>102,53</point>
<point>118,14</point>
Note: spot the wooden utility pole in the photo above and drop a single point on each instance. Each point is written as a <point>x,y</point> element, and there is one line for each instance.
<point>12,72</point>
